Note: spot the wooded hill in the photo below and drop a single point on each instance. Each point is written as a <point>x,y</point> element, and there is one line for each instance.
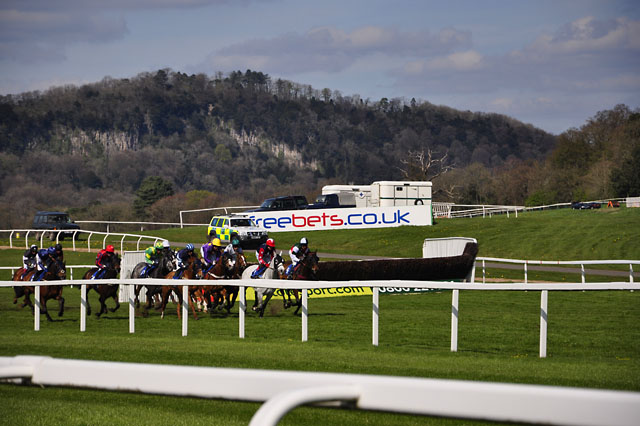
<point>236,139</point>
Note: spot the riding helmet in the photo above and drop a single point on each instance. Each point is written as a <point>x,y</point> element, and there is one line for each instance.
<point>166,244</point>
<point>304,241</point>
<point>110,248</point>
<point>271,243</point>
<point>216,242</point>
<point>158,245</point>
<point>235,242</point>
<point>51,250</point>
<point>33,248</point>
<point>58,247</point>
<point>190,247</point>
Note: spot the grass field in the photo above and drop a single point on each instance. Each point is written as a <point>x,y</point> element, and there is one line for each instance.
<point>594,338</point>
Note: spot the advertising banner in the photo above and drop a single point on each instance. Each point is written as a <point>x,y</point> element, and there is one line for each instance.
<point>347,218</point>
<point>350,291</point>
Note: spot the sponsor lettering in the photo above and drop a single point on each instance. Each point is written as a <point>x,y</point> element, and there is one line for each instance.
<point>351,218</point>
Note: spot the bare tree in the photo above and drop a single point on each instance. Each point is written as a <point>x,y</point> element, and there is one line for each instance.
<point>421,165</point>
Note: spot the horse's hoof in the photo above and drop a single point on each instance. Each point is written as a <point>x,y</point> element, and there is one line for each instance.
<point>60,314</point>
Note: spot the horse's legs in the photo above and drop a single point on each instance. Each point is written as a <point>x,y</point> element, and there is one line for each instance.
<point>257,300</point>
<point>231,296</point>
<point>43,309</point>
<point>191,295</point>
<point>298,301</point>
<point>268,295</point>
<point>166,292</point>
<point>136,293</point>
<point>87,295</point>
<point>114,294</point>
<point>61,306</point>
<point>60,300</point>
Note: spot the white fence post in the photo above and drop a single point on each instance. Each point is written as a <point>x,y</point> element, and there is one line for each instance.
<point>241,310</point>
<point>36,310</point>
<point>185,310</point>
<point>376,313</point>
<point>305,315</point>
<point>132,307</point>
<point>525,273</point>
<point>454,320</point>
<point>544,302</point>
<point>83,307</point>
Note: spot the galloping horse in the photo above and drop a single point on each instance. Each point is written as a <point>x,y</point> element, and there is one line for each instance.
<point>305,270</point>
<point>231,291</point>
<point>276,266</point>
<point>192,271</point>
<point>104,291</point>
<point>222,269</point>
<point>55,271</point>
<point>165,265</point>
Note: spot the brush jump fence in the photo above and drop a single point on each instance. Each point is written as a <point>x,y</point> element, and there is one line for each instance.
<point>282,391</point>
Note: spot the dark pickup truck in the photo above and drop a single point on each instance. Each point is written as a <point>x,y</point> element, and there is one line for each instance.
<point>290,202</point>
<point>331,201</point>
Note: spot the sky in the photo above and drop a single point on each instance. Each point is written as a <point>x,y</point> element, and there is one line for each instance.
<point>553,64</point>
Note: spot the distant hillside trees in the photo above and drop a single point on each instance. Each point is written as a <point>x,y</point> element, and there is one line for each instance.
<point>245,136</point>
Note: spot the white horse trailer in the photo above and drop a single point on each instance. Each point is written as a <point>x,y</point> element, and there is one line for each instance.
<point>360,195</point>
<point>400,193</point>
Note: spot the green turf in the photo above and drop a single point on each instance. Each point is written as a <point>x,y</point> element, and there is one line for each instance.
<point>594,339</point>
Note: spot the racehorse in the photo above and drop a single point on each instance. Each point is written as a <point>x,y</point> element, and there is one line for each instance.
<point>231,291</point>
<point>165,265</point>
<point>104,291</point>
<point>193,271</point>
<point>306,269</point>
<point>222,269</point>
<point>275,270</point>
<point>55,271</point>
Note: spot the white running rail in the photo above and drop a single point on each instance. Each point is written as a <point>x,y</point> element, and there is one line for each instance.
<point>375,285</point>
<point>285,390</point>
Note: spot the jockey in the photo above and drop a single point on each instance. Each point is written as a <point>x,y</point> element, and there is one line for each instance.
<point>183,255</point>
<point>264,254</point>
<point>211,252</point>
<point>152,255</point>
<point>29,260</point>
<point>297,253</point>
<point>104,260</point>
<point>44,259</point>
<point>58,255</point>
<point>233,248</point>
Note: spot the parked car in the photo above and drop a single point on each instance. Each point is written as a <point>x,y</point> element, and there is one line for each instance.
<point>248,232</point>
<point>289,202</point>
<point>578,205</point>
<point>55,221</point>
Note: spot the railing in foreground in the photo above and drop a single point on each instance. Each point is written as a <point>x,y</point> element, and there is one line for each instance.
<point>305,285</point>
<point>41,233</point>
<point>285,390</point>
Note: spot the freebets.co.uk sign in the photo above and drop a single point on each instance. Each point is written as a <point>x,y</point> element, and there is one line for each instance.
<point>348,218</point>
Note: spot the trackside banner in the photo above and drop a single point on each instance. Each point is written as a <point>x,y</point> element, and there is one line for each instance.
<point>350,291</point>
<point>347,218</point>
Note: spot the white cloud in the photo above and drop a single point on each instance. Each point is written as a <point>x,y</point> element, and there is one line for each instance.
<point>459,61</point>
<point>332,49</point>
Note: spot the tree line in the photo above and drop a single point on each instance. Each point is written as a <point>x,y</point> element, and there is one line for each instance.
<point>241,137</point>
